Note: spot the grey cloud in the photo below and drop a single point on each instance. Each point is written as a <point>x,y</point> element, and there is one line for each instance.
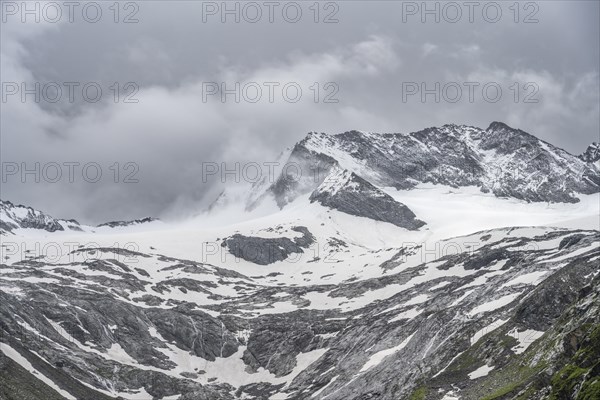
<point>368,54</point>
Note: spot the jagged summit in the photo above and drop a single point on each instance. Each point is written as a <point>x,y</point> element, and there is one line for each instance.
<point>15,216</point>
<point>592,153</point>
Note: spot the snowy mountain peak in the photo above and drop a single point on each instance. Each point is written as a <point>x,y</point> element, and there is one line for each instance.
<point>18,216</point>
<point>502,160</point>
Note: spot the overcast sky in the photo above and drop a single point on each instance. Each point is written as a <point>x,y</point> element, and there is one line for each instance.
<point>366,61</point>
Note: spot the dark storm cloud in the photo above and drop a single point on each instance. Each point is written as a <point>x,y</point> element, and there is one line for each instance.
<point>370,54</point>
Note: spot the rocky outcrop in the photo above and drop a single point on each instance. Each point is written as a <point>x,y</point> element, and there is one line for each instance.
<point>115,224</point>
<point>345,191</point>
<point>592,153</point>
<point>264,251</point>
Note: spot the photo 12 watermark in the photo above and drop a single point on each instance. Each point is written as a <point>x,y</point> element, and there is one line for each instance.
<point>52,12</point>
<point>12,251</point>
<point>69,172</point>
<point>269,92</point>
<point>71,92</point>
<point>454,92</point>
<point>452,12</point>
<point>252,12</point>
<point>265,171</point>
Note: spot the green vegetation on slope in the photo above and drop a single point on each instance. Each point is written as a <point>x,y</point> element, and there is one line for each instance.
<point>580,377</point>
<point>419,394</point>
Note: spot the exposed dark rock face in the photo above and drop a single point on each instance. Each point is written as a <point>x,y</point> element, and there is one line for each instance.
<point>344,191</point>
<point>592,153</point>
<point>114,224</point>
<point>266,251</point>
<point>275,344</point>
<point>570,241</point>
<point>196,332</point>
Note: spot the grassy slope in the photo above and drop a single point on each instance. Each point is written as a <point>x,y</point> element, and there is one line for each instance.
<point>16,383</point>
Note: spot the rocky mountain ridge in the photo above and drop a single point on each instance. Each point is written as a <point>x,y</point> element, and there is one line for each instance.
<point>16,216</point>
<point>504,161</point>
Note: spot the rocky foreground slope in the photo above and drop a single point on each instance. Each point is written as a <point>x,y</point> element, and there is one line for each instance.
<point>506,317</point>
<point>346,293</point>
